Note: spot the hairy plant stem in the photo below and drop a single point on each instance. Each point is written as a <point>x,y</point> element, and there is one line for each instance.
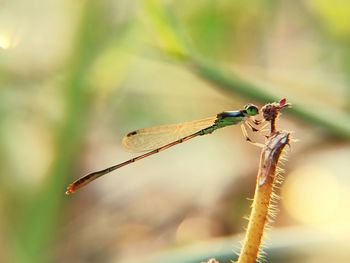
<point>266,177</point>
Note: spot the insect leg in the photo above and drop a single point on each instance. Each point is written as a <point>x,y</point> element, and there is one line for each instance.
<point>245,133</point>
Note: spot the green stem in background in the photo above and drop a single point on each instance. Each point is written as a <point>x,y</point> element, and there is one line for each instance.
<point>37,226</point>
<point>230,82</point>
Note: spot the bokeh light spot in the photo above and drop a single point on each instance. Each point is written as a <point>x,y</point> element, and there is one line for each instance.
<point>312,196</point>
<point>7,40</point>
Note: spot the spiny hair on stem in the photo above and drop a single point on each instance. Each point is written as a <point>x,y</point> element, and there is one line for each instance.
<point>273,208</point>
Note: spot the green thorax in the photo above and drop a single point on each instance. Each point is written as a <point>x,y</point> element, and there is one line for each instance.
<point>224,119</point>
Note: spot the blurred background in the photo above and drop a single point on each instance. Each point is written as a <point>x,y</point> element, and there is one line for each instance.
<point>76,76</point>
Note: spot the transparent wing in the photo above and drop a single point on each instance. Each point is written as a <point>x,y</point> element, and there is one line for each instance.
<point>148,139</point>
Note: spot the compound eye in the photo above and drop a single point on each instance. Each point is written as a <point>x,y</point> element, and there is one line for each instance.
<point>251,109</point>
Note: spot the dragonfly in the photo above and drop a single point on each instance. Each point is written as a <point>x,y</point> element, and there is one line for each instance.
<point>159,138</point>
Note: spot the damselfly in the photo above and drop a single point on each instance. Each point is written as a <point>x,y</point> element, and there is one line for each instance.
<point>160,138</point>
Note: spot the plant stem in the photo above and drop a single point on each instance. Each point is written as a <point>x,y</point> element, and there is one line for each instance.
<point>36,229</point>
<point>231,83</point>
<point>265,182</point>
<point>228,81</point>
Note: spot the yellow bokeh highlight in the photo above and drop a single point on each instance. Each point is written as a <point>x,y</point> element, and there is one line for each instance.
<point>7,40</point>
<point>335,14</point>
<point>313,196</point>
